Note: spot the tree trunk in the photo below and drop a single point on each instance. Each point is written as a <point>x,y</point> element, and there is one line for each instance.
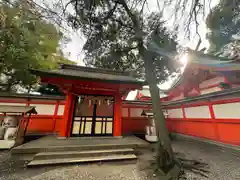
<point>164,153</point>
<point>164,160</point>
<point>8,87</point>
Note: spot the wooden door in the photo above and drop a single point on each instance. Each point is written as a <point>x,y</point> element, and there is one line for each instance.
<point>92,117</point>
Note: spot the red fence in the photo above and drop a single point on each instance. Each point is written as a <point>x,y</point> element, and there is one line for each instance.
<point>50,113</point>
<point>216,118</point>
<point>49,108</point>
<point>132,121</point>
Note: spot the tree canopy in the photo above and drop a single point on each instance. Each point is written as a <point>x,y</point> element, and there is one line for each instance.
<point>26,42</point>
<point>224,24</point>
<point>49,89</point>
<point>112,42</point>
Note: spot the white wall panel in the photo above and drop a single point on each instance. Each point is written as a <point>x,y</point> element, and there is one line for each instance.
<point>44,109</point>
<point>136,112</point>
<point>60,110</point>
<point>13,104</point>
<point>229,110</point>
<point>197,112</point>
<point>210,90</point>
<point>124,112</point>
<point>175,113</point>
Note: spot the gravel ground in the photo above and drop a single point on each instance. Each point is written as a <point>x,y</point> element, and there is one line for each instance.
<point>107,171</point>
<point>223,165</point>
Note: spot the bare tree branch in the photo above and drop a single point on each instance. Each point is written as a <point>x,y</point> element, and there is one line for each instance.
<point>66,5</point>
<point>144,2</point>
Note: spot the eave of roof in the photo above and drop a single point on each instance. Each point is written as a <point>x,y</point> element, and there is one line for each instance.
<point>189,99</point>
<point>205,65</point>
<point>75,77</point>
<point>94,70</point>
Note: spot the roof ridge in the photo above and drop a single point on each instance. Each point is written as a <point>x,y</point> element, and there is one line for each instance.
<point>94,70</point>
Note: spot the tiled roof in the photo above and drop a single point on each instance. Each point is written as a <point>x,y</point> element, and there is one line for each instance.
<point>79,72</point>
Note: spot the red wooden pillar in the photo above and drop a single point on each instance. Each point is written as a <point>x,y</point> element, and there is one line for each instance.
<point>67,115</point>
<point>117,127</point>
<point>215,124</point>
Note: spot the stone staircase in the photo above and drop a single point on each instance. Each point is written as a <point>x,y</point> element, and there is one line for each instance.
<point>83,155</point>
<point>51,150</point>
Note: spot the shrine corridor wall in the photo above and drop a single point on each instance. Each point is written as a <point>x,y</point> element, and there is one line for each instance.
<point>50,111</point>
<point>216,119</point>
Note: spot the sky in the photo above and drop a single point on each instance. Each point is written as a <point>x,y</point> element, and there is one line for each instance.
<point>73,49</point>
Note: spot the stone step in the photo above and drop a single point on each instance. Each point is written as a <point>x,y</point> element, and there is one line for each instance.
<point>31,150</point>
<point>78,154</point>
<point>82,160</point>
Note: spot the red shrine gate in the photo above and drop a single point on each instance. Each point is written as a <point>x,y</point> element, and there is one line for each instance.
<point>93,99</point>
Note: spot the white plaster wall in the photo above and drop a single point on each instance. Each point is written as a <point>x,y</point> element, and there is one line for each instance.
<point>197,112</point>
<point>13,104</point>
<point>60,110</point>
<point>124,112</point>
<point>44,109</point>
<point>175,113</point>
<point>211,82</point>
<point>136,112</point>
<point>229,110</point>
<point>210,90</point>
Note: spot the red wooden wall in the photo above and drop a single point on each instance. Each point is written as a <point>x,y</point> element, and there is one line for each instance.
<point>216,119</point>
<point>132,121</point>
<point>50,113</point>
